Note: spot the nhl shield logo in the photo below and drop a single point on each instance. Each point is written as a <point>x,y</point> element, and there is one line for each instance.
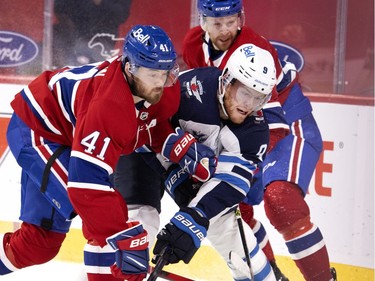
<point>143,116</point>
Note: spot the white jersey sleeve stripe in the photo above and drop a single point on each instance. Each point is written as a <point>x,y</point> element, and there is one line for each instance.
<point>92,186</point>
<point>93,160</point>
<point>40,111</point>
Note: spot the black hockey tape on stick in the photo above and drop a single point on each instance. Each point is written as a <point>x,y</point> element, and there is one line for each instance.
<point>162,261</point>
<point>244,243</point>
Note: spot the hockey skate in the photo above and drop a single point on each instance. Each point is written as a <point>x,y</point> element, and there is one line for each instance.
<point>334,274</point>
<point>278,274</point>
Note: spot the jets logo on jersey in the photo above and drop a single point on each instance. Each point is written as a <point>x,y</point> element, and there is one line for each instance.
<point>194,88</point>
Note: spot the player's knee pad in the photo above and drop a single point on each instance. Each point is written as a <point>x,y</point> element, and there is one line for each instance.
<point>31,245</point>
<point>285,207</point>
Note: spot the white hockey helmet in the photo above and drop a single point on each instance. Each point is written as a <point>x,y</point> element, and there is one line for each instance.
<point>254,67</point>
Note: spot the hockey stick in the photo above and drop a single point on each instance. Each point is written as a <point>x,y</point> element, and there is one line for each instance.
<point>172,276</point>
<point>244,243</point>
<point>162,261</point>
<point>158,271</point>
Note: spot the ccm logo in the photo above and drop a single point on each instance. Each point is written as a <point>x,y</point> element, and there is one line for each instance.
<point>193,228</point>
<point>183,143</point>
<point>138,242</point>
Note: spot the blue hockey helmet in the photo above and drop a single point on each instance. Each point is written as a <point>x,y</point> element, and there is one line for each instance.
<point>149,46</point>
<point>219,8</point>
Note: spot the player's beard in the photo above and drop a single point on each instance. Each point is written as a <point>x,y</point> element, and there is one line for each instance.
<point>151,95</point>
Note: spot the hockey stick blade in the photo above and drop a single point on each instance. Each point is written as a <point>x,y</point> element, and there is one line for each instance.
<point>239,264</point>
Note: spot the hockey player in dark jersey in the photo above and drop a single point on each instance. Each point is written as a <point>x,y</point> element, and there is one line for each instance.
<point>222,109</point>
<point>67,132</point>
<point>292,159</point>
<point>221,31</point>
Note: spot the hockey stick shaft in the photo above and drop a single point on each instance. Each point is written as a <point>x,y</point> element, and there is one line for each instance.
<point>162,261</point>
<point>159,272</point>
<point>244,243</point>
<point>172,276</point>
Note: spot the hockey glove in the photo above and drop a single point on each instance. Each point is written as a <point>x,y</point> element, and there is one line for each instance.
<point>180,186</point>
<point>132,258</point>
<point>182,236</point>
<point>197,159</point>
<point>256,192</point>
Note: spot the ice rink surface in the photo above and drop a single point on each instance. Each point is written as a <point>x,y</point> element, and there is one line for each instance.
<point>54,270</point>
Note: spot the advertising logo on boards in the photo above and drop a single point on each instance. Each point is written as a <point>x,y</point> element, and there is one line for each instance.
<point>288,53</point>
<point>16,49</point>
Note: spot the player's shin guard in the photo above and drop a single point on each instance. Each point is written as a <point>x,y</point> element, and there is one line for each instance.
<point>97,262</point>
<point>290,215</point>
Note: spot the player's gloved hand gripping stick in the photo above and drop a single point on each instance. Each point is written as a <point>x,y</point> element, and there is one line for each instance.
<point>197,159</point>
<point>182,235</point>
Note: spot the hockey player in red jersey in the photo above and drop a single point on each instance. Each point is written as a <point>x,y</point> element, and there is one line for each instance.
<point>220,32</point>
<point>67,132</point>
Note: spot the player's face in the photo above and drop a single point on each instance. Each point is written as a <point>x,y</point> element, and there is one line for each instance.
<point>223,30</point>
<point>149,83</point>
<point>241,101</point>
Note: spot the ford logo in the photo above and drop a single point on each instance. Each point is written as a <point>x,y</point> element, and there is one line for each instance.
<point>288,53</point>
<point>16,49</point>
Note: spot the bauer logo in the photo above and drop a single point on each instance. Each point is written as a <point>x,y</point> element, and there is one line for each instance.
<point>16,49</point>
<point>288,53</point>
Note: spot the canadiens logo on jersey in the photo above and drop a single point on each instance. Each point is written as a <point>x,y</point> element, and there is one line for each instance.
<point>194,88</point>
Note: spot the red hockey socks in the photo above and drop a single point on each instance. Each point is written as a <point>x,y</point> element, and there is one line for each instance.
<point>288,212</point>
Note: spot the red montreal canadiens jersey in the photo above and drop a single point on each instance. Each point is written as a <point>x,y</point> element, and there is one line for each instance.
<point>91,109</point>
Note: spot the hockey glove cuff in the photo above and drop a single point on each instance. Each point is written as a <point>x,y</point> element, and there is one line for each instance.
<point>182,235</point>
<point>180,186</point>
<point>132,257</point>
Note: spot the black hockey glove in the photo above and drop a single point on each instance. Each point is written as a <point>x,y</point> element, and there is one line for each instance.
<point>180,185</point>
<point>182,236</point>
